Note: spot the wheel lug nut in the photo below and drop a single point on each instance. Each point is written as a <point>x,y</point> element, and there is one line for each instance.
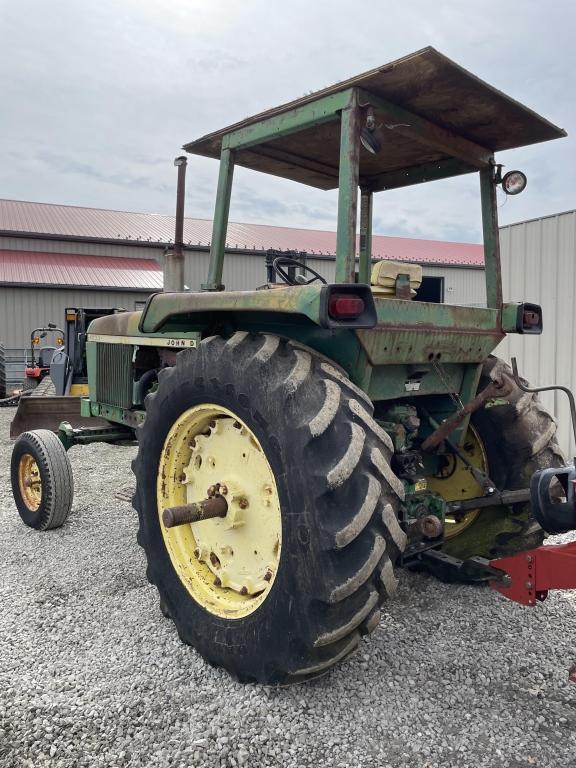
<point>267,575</point>
<point>223,490</point>
<point>244,591</point>
<point>217,582</point>
<point>243,503</point>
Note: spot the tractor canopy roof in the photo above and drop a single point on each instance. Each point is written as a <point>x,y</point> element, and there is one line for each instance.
<point>434,118</point>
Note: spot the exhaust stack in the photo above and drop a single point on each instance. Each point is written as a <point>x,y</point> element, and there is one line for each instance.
<point>174,259</point>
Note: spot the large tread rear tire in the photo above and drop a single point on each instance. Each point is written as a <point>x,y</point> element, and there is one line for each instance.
<point>338,497</point>
<point>56,478</point>
<point>519,436</point>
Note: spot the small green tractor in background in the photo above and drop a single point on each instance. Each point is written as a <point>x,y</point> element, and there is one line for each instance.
<point>298,442</point>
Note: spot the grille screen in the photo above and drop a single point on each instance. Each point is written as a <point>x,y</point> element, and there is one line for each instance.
<point>114,374</point>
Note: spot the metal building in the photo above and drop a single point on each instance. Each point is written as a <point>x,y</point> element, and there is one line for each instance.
<point>539,265</point>
<point>53,256</point>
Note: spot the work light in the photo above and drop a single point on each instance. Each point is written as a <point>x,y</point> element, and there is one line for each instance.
<point>370,136</point>
<point>514,182</point>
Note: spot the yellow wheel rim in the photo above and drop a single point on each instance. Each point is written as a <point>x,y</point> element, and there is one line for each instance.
<point>228,565</point>
<point>30,482</point>
<point>455,482</point>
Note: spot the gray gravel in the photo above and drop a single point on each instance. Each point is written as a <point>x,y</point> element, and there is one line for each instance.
<point>91,674</point>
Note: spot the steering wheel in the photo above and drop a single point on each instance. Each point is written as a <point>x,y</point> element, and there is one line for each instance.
<point>282,261</point>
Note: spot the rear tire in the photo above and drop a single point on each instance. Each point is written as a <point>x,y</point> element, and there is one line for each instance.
<point>519,437</point>
<point>338,500</point>
<point>42,481</point>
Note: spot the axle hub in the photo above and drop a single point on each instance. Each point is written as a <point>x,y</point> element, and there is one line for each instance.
<point>215,506</point>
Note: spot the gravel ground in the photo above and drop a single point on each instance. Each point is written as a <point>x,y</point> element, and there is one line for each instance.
<point>91,674</point>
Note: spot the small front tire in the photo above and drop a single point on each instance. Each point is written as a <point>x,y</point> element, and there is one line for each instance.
<point>42,481</point>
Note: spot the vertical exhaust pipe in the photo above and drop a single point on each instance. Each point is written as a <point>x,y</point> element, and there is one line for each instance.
<point>174,259</point>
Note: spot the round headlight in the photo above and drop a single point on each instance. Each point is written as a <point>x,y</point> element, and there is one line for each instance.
<point>514,182</point>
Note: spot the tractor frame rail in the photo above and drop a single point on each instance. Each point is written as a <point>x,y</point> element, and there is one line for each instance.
<point>478,570</point>
<point>525,578</point>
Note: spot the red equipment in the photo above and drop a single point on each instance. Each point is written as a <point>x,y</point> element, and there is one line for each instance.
<point>38,366</point>
<point>528,576</point>
<point>533,573</point>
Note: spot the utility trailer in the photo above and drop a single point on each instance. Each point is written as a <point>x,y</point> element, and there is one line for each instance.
<point>299,442</point>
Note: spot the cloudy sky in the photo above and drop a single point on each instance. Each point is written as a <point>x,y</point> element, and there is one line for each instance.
<point>98,97</point>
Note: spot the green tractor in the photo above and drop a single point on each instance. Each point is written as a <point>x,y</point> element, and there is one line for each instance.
<point>298,442</point>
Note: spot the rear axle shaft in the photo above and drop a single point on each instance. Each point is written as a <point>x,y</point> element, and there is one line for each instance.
<point>207,509</point>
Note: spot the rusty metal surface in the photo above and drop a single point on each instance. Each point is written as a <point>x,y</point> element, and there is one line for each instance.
<point>446,94</point>
<point>409,332</point>
<point>48,413</point>
<point>214,506</point>
<point>428,526</point>
<point>498,388</point>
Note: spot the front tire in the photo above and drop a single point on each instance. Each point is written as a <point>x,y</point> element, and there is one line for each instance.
<point>336,494</point>
<point>42,481</point>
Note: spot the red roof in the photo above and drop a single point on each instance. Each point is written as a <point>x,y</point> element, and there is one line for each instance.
<point>33,268</point>
<point>19,217</point>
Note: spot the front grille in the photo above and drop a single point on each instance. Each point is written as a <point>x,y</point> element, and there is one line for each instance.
<point>114,374</point>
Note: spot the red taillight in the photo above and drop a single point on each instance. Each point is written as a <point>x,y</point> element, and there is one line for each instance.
<point>530,318</point>
<point>342,306</point>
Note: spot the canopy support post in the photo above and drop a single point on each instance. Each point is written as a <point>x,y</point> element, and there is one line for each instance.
<point>348,194</point>
<point>492,268</point>
<point>365,263</point>
<point>220,224</point>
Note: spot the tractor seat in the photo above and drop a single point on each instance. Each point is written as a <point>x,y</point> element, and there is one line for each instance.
<point>45,356</point>
<point>395,279</point>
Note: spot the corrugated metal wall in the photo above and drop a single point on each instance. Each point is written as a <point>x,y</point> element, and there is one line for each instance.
<point>47,245</point>
<point>23,309</point>
<point>462,285</point>
<point>243,271</point>
<point>539,265</point>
